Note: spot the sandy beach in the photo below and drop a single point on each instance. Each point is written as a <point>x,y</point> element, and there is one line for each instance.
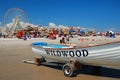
<point>13,51</point>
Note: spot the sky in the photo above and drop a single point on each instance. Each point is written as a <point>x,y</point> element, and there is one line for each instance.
<point>94,14</point>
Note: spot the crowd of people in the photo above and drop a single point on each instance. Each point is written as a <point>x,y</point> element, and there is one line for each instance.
<point>53,33</point>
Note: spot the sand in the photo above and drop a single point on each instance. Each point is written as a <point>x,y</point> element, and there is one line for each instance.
<point>13,51</point>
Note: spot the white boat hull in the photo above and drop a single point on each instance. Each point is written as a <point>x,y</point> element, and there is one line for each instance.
<point>104,55</point>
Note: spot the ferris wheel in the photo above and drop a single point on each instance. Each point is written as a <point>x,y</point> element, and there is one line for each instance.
<point>15,19</point>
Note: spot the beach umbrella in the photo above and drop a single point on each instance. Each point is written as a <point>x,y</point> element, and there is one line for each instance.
<point>82,32</point>
<point>72,31</point>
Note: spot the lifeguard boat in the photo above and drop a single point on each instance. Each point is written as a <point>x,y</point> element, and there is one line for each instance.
<point>100,55</point>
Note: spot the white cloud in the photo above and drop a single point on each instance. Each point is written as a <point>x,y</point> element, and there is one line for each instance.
<point>112,29</point>
<point>52,25</point>
<point>87,29</point>
<point>62,26</point>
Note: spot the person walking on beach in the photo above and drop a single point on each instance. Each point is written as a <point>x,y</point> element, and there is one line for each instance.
<point>67,38</point>
<point>24,36</point>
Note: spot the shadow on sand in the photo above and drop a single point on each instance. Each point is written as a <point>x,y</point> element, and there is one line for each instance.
<point>91,70</point>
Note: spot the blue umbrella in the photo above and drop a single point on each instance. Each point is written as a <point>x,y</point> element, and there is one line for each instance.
<point>82,32</point>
